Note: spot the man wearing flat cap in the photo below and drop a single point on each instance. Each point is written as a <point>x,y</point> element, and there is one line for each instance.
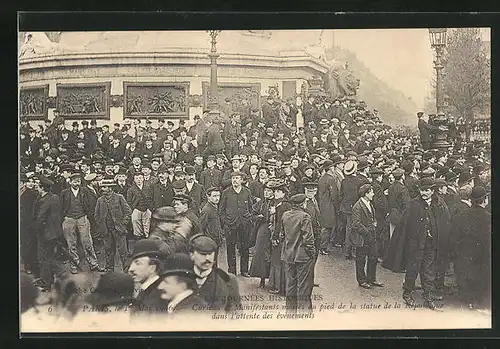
<point>236,217</point>
<point>78,211</point>
<point>299,255</point>
<point>179,288</point>
<point>471,250</point>
<point>364,236</point>
<point>218,288</point>
<point>112,215</point>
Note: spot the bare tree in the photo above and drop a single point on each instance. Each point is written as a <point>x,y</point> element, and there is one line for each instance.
<point>467,81</point>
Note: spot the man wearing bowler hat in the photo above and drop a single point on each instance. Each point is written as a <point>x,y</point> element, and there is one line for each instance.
<point>218,288</point>
<point>145,268</point>
<point>426,226</point>
<point>299,255</point>
<point>179,288</point>
<point>110,302</point>
<point>236,218</point>
<point>112,215</point>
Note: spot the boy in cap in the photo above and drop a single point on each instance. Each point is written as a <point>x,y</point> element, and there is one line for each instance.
<point>219,289</point>
<point>364,227</point>
<point>189,223</point>
<point>112,215</point>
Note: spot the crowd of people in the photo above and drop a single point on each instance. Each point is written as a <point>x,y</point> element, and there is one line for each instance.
<point>160,202</point>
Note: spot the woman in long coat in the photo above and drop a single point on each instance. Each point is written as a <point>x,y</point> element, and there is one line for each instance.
<point>277,282</point>
<point>262,256</point>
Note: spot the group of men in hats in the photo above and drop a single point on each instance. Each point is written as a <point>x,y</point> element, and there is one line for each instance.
<point>350,181</point>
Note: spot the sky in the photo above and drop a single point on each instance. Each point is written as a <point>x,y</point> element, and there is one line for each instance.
<point>402,57</point>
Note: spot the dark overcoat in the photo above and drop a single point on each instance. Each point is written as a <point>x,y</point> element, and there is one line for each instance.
<point>149,300</point>
<point>328,201</point>
<point>220,290</point>
<point>349,193</point>
<point>398,199</point>
<point>48,218</point>
<point>210,222</point>
<point>119,210</point>
<point>471,241</point>
<point>406,247</point>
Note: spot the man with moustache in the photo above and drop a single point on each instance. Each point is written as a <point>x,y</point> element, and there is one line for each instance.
<point>236,217</point>
<point>145,269</point>
<point>179,288</point>
<point>112,214</point>
<point>77,211</point>
<point>218,288</point>
<point>162,189</point>
<point>425,224</point>
<point>195,190</point>
<point>140,200</point>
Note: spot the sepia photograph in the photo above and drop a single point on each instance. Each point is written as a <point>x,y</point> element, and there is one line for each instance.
<point>254,180</point>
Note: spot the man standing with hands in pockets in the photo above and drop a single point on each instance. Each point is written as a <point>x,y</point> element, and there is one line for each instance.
<point>364,227</point>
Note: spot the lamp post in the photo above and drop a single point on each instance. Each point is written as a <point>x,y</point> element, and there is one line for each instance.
<point>213,103</point>
<point>438,43</point>
<point>437,38</point>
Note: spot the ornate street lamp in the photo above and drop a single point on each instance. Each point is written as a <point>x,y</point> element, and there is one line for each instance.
<point>213,103</point>
<point>438,43</point>
<point>437,38</point>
